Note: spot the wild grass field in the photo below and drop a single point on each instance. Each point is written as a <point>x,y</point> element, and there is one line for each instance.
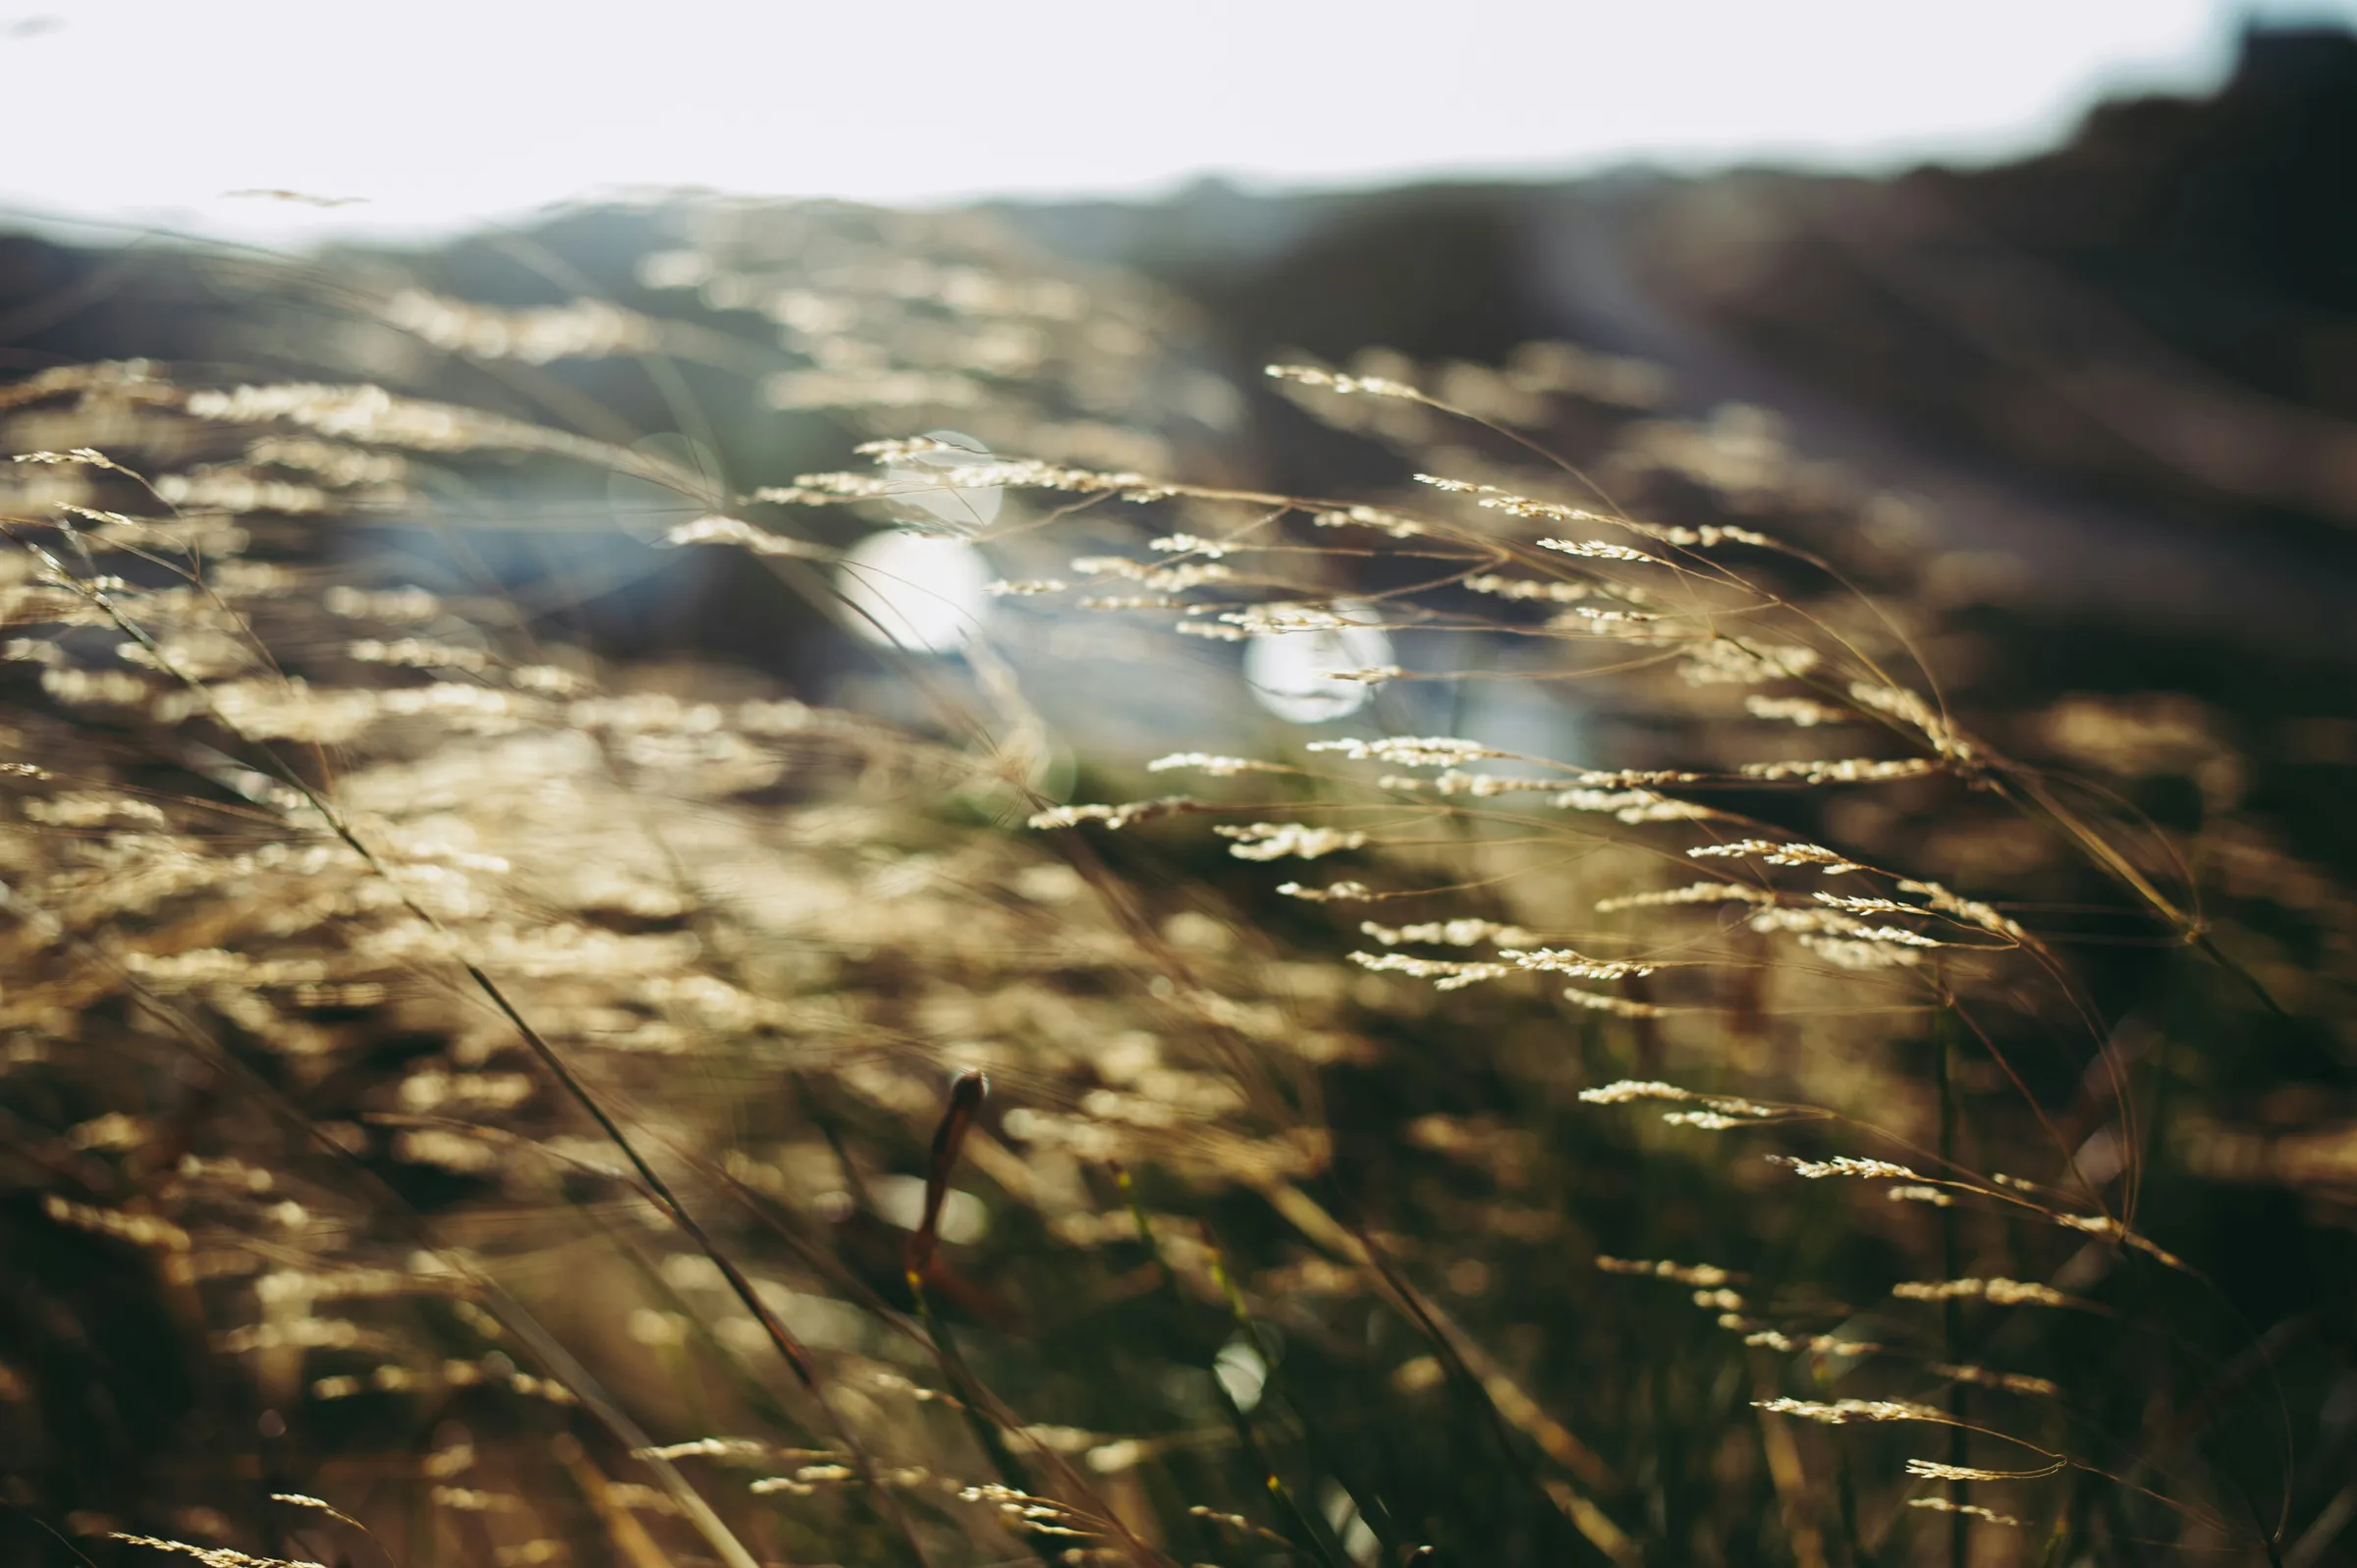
<point>1709,1032</point>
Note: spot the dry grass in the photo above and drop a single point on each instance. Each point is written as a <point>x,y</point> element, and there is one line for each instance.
<point>468,1100</point>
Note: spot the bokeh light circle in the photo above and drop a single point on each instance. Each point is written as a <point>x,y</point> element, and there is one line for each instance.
<point>913,591</point>
<point>1291,674</point>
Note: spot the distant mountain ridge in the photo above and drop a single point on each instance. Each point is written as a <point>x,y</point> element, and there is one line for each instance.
<point>2130,361</point>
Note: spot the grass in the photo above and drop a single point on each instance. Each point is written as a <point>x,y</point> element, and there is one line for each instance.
<point>473,1096</point>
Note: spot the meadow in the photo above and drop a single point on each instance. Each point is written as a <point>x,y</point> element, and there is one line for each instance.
<point>1707,1032</point>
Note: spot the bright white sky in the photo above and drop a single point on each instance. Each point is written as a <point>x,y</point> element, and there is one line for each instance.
<point>439,112</point>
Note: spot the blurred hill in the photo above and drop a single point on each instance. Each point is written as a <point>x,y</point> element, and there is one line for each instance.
<point>2127,366</point>
<point>2132,362</point>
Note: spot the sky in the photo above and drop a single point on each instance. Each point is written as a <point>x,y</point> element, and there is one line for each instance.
<point>430,115</point>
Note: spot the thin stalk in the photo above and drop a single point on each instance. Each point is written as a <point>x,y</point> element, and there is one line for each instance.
<point>1951,1309</point>
<point>1307,1535</point>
